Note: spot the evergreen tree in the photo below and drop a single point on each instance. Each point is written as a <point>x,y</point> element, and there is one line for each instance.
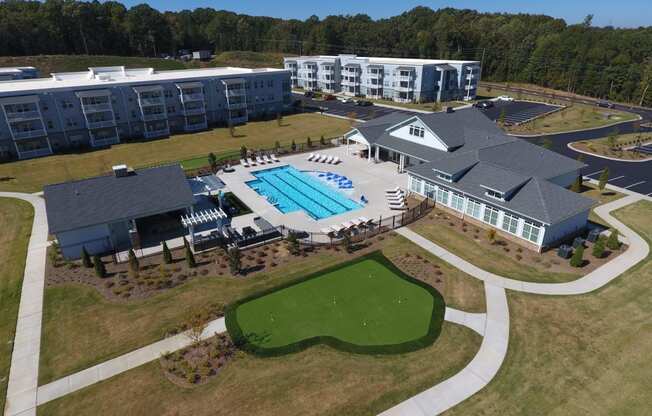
<point>598,248</point>
<point>613,243</point>
<point>309,142</point>
<point>212,161</point>
<point>577,260</point>
<point>501,117</point>
<point>577,185</point>
<point>603,179</point>
<point>294,146</point>
<point>167,255</point>
<point>86,259</point>
<point>243,152</point>
<point>190,258</point>
<point>235,260</point>
<point>100,270</point>
<point>293,243</point>
<point>322,140</point>
<point>134,264</point>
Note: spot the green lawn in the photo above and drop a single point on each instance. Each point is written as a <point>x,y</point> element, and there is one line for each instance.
<point>365,303</point>
<point>31,175</point>
<point>16,224</point>
<point>602,146</point>
<point>578,355</point>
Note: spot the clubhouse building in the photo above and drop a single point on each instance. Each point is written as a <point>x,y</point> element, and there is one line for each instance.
<point>464,162</point>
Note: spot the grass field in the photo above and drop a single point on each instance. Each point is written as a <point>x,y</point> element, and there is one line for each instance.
<point>578,355</point>
<point>574,117</point>
<point>16,225</point>
<point>601,147</point>
<point>81,328</point>
<point>363,303</point>
<point>31,175</point>
<point>47,64</point>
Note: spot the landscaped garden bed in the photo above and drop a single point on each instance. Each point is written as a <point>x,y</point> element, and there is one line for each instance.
<point>616,146</point>
<point>200,362</point>
<point>367,305</point>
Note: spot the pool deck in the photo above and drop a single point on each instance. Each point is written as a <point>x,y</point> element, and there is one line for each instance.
<point>369,179</point>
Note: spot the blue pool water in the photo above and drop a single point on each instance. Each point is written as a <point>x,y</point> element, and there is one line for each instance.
<point>289,190</point>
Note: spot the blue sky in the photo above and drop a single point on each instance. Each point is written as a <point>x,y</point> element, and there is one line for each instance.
<point>623,13</point>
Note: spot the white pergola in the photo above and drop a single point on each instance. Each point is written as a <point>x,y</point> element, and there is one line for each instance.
<point>357,137</point>
<point>206,216</point>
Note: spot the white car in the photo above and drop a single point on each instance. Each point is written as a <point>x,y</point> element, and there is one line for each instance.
<point>505,98</point>
<point>346,100</point>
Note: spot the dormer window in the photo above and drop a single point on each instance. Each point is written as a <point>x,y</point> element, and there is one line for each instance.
<point>443,176</point>
<point>495,194</point>
<point>417,131</point>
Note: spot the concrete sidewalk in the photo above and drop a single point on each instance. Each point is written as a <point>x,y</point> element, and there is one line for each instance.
<point>23,373</point>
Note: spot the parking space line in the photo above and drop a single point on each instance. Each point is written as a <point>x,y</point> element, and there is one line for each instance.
<point>591,174</point>
<point>616,178</point>
<point>634,184</point>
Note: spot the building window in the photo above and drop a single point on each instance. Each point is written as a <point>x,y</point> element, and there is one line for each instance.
<point>171,109</point>
<point>167,93</point>
<point>444,176</point>
<point>494,194</point>
<point>510,223</point>
<point>415,185</point>
<point>490,215</point>
<point>442,196</point>
<point>473,208</point>
<point>531,231</point>
<point>417,131</point>
<point>457,202</point>
<point>429,190</point>
<point>50,124</point>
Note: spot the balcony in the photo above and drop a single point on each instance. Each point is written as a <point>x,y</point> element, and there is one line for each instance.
<point>96,108</point>
<point>154,116</point>
<point>193,111</point>
<point>153,101</point>
<point>28,154</point>
<point>470,77</point>
<point>408,87</point>
<point>105,141</point>
<point>404,78</point>
<point>237,106</point>
<point>23,116</point>
<point>28,134</point>
<point>235,92</point>
<point>196,126</point>
<point>100,124</point>
<point>151,134</point>
<point>197,96</point>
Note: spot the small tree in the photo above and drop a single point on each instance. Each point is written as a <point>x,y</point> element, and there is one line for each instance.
<point>235,260</point>
<point>603,179</point>
<point>347,241</point>
<point>243,152</point>
<point>100,270</point>
<point>491,235</point>
<point>134,265</point>
<point>501,118</point>
<point>577,185</point>
<point>212,161</point>
<point>322,140</point>
<point>577,260</point>
<point>309,142</point>
<point>190,258</point>
<point>167,255</point>
<point>277,146</point>
<point>293,146</point>
<point>598,248</point>
<point>613,243</point>
<point>547,143</point>
<point>196,322</point>
<point>231,129</point>
<point>612,140</point>
<point>293,242</point>
<point>279,119</point>
<point>86,259</point>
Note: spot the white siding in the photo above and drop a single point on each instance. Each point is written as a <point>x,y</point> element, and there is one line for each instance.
<point>429,139</point>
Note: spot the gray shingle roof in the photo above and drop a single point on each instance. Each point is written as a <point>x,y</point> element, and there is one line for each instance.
<point>106,199</point>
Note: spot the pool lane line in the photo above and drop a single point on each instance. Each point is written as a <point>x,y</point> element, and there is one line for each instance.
<point>312,186</point>
<point>295,201</point>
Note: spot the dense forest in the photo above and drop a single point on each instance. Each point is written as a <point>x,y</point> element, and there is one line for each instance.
<point>597,61</point>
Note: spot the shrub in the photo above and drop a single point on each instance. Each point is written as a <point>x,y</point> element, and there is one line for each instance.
<point>598,248</point>
<point>309,142</point>
<point>322,141</point>
<point>612,242</point>
<point>577,185</point>
<point>212,161</point>
<point>100,270</point>
<point>235,260</point>
<point>167,255</point>
<point>190,258</point>
<point>86,259</point>
<point>134,265</point>
<point>491,235</point>
<point>293,146</point>
<point>293,244</point>
<point>577,260</point>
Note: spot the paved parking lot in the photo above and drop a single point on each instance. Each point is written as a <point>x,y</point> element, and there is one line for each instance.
<point>518,111</point>
<point>339,108</point>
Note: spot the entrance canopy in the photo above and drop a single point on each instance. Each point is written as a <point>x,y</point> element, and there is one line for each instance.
<point>202,217</point>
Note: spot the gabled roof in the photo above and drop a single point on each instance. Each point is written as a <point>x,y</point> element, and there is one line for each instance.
<point>106,199</point>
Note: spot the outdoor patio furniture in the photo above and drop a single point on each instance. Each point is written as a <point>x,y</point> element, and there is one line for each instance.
<point>244,163</point>
<point>260,160</point>
<point>323,158</point>
<point>311,157</point>
<point>327,230</point>
<point>348,225</point>
<point>594,235</point>
<point>267,159</point>
<point>337,228</point>
<point>274,158</point>
<point>363,199</point>
<point>395,198</point>
<point>336,160</point>
<point>402,207</point>
<point>252,162</point>
<point>366,220</point>
<point>329,159</point>
<point>393,191</point>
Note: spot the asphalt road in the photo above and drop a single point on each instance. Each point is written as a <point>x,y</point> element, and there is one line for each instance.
<point>518,111</point>
<point>635,176</point>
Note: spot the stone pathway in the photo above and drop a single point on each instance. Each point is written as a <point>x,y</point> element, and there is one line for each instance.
<point>23,373</point>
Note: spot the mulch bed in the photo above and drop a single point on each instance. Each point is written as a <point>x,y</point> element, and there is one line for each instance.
<point>199,363</point>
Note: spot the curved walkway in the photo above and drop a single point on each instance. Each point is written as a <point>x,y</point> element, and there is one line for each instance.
<point>23,373</point>
<point>638,250</point>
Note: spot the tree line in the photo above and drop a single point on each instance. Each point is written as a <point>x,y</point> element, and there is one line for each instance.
<point>606,62</point>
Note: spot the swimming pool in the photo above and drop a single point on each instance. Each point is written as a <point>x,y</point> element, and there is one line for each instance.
<point>289,190</point>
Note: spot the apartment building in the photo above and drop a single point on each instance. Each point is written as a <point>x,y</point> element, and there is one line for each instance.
<point>397,79</point>
<point>18,72</point>
<point>107,105</point>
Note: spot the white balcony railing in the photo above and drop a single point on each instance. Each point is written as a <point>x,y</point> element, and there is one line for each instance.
<point>28,134</point>
<point>150,134</point>
<point>148,102</point>
<point>237,106</point>
<point>100,124</point>
<point>236,92</point>
<point>28,154</point>
<point>193,111</point>
<point>197,96</point>
<point>23,115</point>
<point>96,108</point>
<point>105,141</point>
<point>154,116</point>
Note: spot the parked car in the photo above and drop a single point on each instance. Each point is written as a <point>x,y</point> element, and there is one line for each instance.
<point>483,105</point>
<point>309,94</point>
<point>347,100</point>
<point>329,97</point>
<point>505,98</point>
<point>363,103</point>
<point>605,104</point>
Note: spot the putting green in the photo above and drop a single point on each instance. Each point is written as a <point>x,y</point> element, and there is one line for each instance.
<point>367,305</point>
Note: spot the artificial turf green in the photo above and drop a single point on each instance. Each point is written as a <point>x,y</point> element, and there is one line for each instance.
<point>364,303</point>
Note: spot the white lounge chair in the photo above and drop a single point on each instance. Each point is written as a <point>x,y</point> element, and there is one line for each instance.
<point>274,158</point>
<point>244,163</point>
<point>327,230</point>
<point>337,228</point>
<point>252,162</point>
<point>395,197</point>
<point>393,191</point>
<point>365,220</point>
<point>311,157</point>
<point>260,160</point>
<point>400,206</point>
<point>329,159</point>
<point>348,225</point>
<point>336,160</point>
<point>267,159</point>
<point>323,158</point>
